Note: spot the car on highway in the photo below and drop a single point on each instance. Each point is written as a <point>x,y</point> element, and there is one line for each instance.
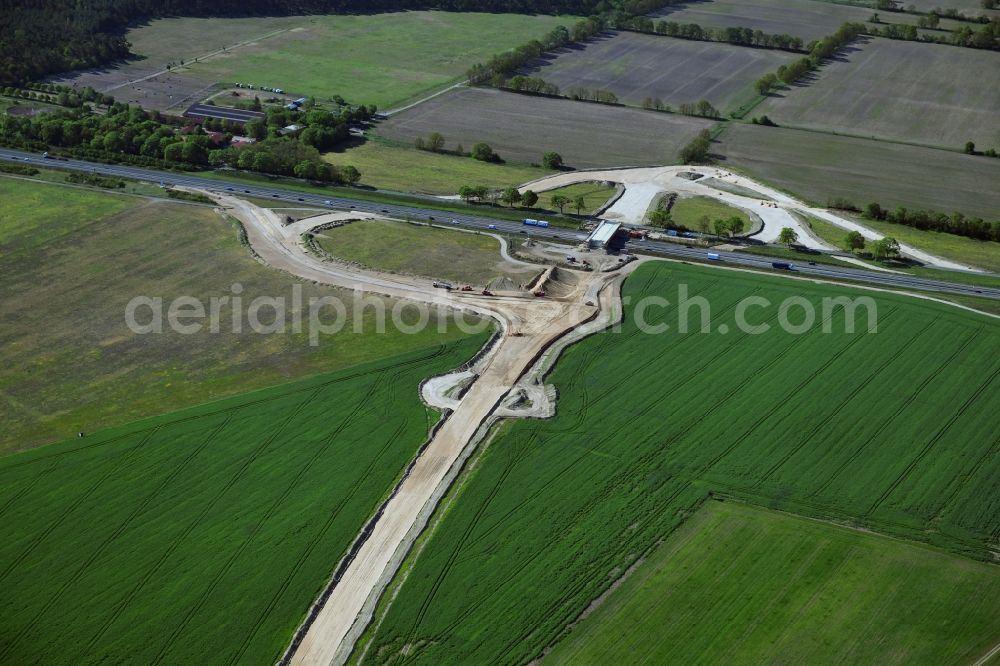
<point>492,226</point>
<point>229,189</point>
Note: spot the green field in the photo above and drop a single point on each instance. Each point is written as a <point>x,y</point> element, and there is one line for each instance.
<point>70,261</point>
<point>208,531</point>
<point>737,583</point>
<point>862,170</point>
<point>403,169</point>
<point>595,195</point>
<point>420,250</point>
<point>894,431</point>
<point>688,211</point>
<point>382,59</point>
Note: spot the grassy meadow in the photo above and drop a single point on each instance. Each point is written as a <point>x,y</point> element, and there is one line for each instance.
<point>688,211</point>
<point>740,583</point>
<point>206,533</point>
<point>830,425</point>
<point>406,169</point>
<point>420,250</point>
<point>382,59</point>
<point>71,259</point>
<point>595,196</point>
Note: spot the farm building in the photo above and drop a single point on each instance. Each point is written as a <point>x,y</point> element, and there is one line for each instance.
<point>602,236</point>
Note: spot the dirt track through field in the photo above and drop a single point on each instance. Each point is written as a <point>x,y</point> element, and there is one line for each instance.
<point>528,327</point>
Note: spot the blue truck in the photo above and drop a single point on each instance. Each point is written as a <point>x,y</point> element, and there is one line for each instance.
<point>536,223</point>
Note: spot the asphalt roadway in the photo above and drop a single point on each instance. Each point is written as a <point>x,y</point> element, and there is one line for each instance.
<point>426,213</point>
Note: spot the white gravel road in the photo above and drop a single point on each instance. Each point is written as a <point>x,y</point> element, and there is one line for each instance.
<point>642,185</point>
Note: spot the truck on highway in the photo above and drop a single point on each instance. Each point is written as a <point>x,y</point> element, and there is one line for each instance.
<point>536,223</point>
<point>782,265</point>
<point>714,256</point>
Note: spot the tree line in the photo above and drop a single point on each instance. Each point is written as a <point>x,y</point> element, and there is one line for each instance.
<point>41,37</point>
<point>987,37</point>
<point>956,223</point>
<point>734,35</point>
<point>950,12</point>
<point>129,134</point>
<point>819,51</point>
<point>601,15</point>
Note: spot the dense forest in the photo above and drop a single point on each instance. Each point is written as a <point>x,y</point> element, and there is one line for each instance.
<point>40,37</point>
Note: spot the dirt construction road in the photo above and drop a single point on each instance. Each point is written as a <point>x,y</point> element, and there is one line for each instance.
<point>643,184</point>
<point>528,326</point>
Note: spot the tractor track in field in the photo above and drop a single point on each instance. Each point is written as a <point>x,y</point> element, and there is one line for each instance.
<point>892,417</point>
<point>176,543</point>
<point>843,403</point>
<point>971,400</point>
<point>126,457</point>
<point>363,405</point>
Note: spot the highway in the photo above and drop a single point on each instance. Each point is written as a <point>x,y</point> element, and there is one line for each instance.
<point>427,213</point>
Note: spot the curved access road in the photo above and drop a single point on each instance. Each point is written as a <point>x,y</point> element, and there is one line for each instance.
<point>528,327</point>
<point>774,207</point>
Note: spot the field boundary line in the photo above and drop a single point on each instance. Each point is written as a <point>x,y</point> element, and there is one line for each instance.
<point>196,59</point>
<point>218,406</point>
<point>400,109</point>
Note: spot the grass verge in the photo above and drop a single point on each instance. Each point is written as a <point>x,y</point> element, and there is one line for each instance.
<point>421,250</point>
<point>405,169</point>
